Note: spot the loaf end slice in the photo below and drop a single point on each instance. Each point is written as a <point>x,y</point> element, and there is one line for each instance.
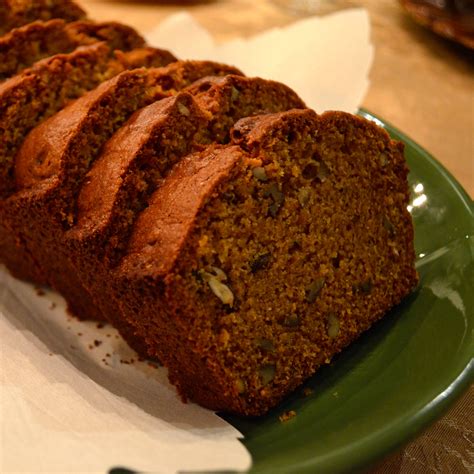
<point>254,265</point>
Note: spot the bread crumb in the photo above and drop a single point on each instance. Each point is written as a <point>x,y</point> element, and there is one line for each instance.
<point>287,415</point>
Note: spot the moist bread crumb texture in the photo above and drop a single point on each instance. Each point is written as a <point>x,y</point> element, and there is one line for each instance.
<point>218,224</point>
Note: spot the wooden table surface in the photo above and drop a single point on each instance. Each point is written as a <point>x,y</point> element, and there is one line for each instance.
<point>420,83</point>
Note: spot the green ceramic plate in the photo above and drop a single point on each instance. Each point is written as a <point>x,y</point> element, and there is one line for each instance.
<point>405,371</point>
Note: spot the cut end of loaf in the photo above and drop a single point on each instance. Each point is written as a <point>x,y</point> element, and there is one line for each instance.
<point>298,247</point>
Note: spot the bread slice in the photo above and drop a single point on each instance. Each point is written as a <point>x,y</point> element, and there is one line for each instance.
<point>255,263</point>
<point>16,13</point>
<point>22,47</point>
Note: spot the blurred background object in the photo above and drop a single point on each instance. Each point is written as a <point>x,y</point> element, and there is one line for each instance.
<point>453,19</point>
<point>319,7</point>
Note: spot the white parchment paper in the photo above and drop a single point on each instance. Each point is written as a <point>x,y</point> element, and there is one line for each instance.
<point>326,60</point>
<point>73,396</point>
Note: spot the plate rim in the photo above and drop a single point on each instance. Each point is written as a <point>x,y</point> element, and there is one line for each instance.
<point>405,429</point>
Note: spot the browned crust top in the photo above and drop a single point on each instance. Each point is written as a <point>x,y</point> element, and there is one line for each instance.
<point>252,133</point>
<point>182,73</point>
<point>163,226</point>
<point>86,31</point>
<point>34,29</point>
<point>146,56</point>
<point>81,32</point>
